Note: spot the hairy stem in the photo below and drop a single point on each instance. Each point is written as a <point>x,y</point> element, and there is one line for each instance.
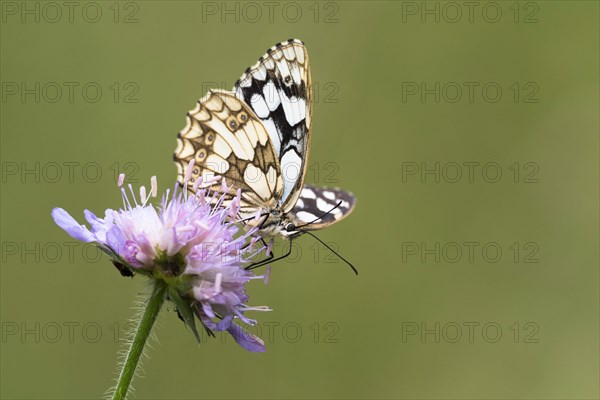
<point>153,306</point>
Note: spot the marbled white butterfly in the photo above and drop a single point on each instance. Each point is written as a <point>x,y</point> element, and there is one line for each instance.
<point>257,137</point>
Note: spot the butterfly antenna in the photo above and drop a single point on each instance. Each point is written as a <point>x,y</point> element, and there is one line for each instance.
<point>316,219</point>
<point>334,252</point>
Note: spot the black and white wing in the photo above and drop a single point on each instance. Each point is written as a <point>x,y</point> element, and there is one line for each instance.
<point>314,201</point>
<point>226,138</point>
<point>278,89</point>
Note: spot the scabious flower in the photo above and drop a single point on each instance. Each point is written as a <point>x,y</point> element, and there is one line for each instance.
<point>190,242</point>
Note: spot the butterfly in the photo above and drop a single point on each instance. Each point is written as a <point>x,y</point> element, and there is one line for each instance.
<point>257,137</point>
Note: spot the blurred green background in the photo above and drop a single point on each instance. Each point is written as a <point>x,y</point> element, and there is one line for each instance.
<point>527,318</point>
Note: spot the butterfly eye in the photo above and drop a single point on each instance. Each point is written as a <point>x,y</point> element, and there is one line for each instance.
<point>290,227</point>
<point>232,123</point>
<point>242,117</point>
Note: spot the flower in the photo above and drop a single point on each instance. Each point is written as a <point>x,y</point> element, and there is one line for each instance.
<point>190,242</point>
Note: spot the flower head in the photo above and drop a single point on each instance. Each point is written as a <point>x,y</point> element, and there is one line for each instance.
<point>191,242</point>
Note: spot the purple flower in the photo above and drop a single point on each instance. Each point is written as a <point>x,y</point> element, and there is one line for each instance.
<point>196,247</point>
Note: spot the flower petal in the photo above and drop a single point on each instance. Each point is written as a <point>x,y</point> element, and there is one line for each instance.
<point>225,323</point>
<point>247,340</point>
<point>72,227</point>
<point>95,222</point>
<point>115,239</point>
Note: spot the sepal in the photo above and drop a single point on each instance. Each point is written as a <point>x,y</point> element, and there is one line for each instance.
<point>184,309</point>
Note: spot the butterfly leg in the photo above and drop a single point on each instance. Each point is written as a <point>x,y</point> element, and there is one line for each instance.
<point>270,256</point>
<point>262,240</point>
<point>269,248</point>
<point>266,215</point>
<point>271,259</point>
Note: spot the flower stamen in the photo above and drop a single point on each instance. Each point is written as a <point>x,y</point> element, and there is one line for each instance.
<point>132,194</point>
<point>154,186</point>
<point>218,280</point>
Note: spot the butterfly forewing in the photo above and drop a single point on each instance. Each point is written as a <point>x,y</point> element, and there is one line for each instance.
<point>226,138</point>
<point>278,89</point>
<point>315,202</point>
<point>257,137</point>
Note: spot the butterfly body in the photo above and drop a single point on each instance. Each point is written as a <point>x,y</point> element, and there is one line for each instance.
<point>257,137</point>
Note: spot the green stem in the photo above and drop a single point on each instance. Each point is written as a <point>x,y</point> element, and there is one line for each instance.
<point>153,306</point>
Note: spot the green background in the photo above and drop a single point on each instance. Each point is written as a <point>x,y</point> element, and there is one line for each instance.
<point>354,340</point>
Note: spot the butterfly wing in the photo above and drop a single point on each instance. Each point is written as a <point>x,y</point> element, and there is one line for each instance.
<point>278,89</point>
<point>226,138</point>
<point>314,201</point>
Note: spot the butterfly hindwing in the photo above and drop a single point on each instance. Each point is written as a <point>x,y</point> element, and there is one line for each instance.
<point>226,138</point>
<point>315,201</point>
<point>278,89</point>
